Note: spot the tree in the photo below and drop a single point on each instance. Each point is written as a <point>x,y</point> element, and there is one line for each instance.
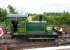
<point>3,14</point>
<point>66,18</point>
<point>11,9</point>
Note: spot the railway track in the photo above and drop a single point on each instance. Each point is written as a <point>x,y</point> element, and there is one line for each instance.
<point>31,43</point>
<point>35,42</point>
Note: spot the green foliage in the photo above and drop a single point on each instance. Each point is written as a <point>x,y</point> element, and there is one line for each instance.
<point>55,18</point>
<point>3,14</point>
<point>11,9</point>
<point>62,19</point>
<point>39,17</point>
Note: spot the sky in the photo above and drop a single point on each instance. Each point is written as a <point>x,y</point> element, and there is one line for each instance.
<point>37,6</point>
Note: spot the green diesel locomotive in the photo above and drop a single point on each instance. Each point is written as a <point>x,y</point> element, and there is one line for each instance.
<point>21,27</point>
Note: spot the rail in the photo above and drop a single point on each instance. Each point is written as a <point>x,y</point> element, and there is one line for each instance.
<point>41,38</point>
